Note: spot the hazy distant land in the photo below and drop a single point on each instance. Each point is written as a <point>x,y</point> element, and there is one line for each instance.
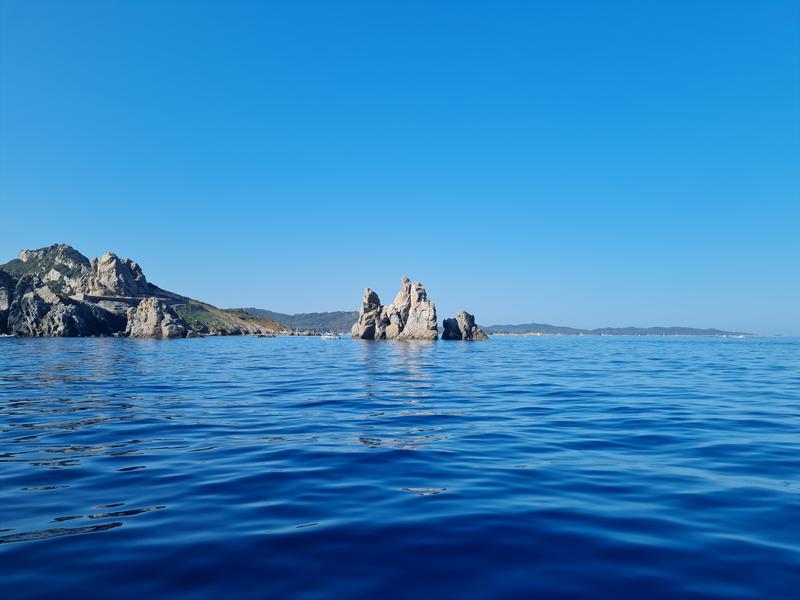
<point>545,329</point>
<point>340,320</point>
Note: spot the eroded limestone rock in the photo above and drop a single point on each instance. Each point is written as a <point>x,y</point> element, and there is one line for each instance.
<point>412,316</point>
<point>421,321</point>
<point>153,318</point>
<point>37,311</point>
<point>114,276</point>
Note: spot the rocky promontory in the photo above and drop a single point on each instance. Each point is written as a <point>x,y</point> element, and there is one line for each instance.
<point>412,316</point>
<point>57,291</point>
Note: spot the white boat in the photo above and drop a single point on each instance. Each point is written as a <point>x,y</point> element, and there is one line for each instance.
<point>330,336</point>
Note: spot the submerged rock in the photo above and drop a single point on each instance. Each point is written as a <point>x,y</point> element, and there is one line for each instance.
<point>153,318</point>
<point>412,316</point>
<point>463,327</point>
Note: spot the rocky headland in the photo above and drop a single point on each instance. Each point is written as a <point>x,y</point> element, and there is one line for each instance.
<point>412,316</point>
<point>57,291</point>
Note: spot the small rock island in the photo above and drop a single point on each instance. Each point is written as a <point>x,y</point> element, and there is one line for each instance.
<point>463,327</point>
<point>412,316</point>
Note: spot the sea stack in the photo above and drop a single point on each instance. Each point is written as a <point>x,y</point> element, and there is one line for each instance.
<point>412,316</point>
<point>463,327</point>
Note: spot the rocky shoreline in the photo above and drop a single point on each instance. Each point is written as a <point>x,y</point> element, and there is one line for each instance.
<point>58,292</point>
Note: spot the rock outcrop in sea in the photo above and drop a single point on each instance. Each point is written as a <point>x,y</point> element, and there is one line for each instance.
<point>463,327</point>
<point>412,316</point>
<point>56,291</point>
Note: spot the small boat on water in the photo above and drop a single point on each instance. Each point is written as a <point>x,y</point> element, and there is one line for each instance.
<point>330,336</point>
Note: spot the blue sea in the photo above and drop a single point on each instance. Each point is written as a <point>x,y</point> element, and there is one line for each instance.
<point>609,467</point>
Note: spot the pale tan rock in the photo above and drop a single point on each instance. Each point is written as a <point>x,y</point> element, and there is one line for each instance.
<point>153,318</point>
<point>114,276</point>
<point>421,321</point>
<point>412,316</point>
<point>369,317</point>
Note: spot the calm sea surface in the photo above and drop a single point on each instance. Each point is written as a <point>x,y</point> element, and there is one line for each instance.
<point>247,467</point>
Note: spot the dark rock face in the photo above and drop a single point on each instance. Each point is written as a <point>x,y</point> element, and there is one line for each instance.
<point>38,311</point>
<point>6,296</point>
<point>463,327</point>
<point>412,316</point>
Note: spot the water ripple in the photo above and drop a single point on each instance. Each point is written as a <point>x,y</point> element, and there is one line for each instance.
<point>559,467</point>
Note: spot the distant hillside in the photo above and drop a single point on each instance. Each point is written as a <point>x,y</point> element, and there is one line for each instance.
<point>204,317</point>
<point>534,328</point>
<point>340,320</point>
<point>545,329</point>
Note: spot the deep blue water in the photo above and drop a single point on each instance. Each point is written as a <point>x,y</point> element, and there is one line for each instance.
<point>247,467</point>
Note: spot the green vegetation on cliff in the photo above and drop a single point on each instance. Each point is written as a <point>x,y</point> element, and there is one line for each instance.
<point>340,320</point>
<point>210,319</point>
<point>61,258</point>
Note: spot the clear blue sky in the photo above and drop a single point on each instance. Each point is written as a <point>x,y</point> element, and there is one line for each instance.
<point>578,163</point>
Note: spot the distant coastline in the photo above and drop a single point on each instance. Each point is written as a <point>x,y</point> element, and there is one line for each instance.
<point>342,320</point>
<point>724,335</point>
<point>545,329</point>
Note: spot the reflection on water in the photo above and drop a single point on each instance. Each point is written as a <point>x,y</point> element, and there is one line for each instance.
<point>552,466</point>
<point>33,536</point>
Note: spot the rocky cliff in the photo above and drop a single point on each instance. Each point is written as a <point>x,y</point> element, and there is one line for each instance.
<point>56,291</point>
<point>114,276</point>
